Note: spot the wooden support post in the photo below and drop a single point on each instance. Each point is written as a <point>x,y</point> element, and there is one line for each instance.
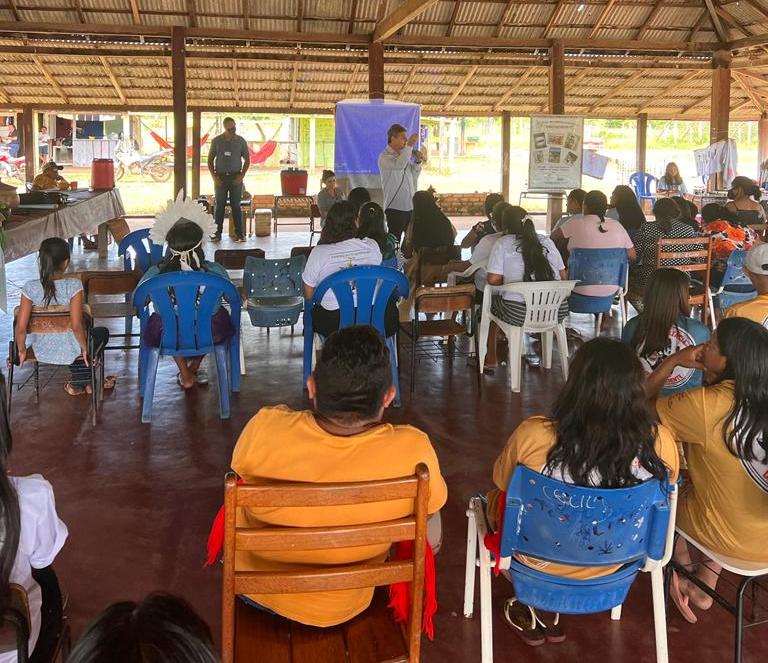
<point>556,107</point>
<point>28,138</point>
<point>376,70</point>
<point>506,138</point>
<point>762,142</point>
<point>179,70</point>
<point>196,116</point>
<point>720,104</point>
<point>641,141</point>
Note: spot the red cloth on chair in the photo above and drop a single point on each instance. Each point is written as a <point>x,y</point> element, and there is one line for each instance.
<point>492,540</point>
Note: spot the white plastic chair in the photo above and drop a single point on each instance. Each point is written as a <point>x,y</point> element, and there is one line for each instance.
<point>479,556</point>
<point>453,277</point>
<point>543,300</point>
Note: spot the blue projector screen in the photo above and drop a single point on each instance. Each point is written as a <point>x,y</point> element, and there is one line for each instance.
<point>361,135</point>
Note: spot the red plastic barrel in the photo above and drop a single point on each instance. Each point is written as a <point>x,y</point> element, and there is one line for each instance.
<point>293,182</point>
<point>102,174</point>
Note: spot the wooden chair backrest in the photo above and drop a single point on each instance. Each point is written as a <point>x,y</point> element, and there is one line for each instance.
<point>14,621</point>
<point>51,320</point>
<point>235,258</point>
<point>262,201</point>
<point>697,259</point>
<point>109,282</point>
<point>444,300</point>
<point>324,578</point>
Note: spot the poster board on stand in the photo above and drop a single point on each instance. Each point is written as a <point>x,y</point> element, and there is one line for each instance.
<point>555,158</point>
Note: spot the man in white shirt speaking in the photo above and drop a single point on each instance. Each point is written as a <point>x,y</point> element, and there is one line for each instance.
<point>399,177</point>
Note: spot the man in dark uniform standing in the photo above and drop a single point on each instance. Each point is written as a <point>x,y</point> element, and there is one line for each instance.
<point>228,162</point>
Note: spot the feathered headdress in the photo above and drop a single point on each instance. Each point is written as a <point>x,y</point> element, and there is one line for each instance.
<point>181,209</point>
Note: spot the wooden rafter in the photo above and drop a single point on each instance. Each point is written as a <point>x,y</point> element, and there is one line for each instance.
<point>14,10</point>
<point>462,85</point>
<point>675,84</point>
<point>4,98</point>
<point>300,16</point>
<point>553,17</point>
<point>401,16</point>
<point>504,17</point>
<point>352,17</point>
<point>408,81</point>
<point>246,15</point>
<point>762,80</point>
<point>135,11</point>
<point>757,8</point>
<point>452,20</point>
<point>569,86</point>
<point>294,77</point>
<point>748,102</point>
<point>51,80</point>
<point>751,94</point>
<point>703,16</point>
<point>601,19</point>
<point>700,100</point>
<point>657,7</point>
<point>113,79</point>
<point>353,80</point>
<point>192,13</point>
<point>78,7</point>
<point>722,33</point>
<point>513,88</point>
<point>627,82</point>
<point>235,82</point>
<point>731,20</point>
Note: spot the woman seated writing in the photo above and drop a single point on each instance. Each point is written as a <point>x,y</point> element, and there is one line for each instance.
<point>724,429</point>
<point>53,291</point>
<point>671,182</point>
<point>600,433</point>
<point>339,248</point>
<point>182,225</point>
<point>519,255</point>
<point>666,326</point>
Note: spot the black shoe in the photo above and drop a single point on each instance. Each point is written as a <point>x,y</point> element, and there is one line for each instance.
<point>240,238</point>
<point>216,237</point>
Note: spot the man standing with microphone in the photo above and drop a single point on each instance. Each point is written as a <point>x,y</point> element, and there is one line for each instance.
<point>399,177</point>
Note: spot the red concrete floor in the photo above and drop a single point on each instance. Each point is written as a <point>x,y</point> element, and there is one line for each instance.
<point>139,499</point>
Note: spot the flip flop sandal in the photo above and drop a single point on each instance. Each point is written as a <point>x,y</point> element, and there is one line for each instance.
<point>109,382</point>
<point>681,601</point>
<point>74,391</point>
<point>522,620</point>
<point>178,381</point>
<point>553,632</point>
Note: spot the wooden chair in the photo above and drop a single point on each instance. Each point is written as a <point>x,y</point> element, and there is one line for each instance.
<point>294,207</point>
<point>248,633</point>
<point>434,266</point>
<point>694,256</point>
<point>107,283</point>
<point>301,251</point>
<point>235,258</point>
<point>449,301</point>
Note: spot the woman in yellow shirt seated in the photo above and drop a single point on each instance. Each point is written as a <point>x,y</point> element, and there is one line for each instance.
<point>724,427</point>
<point>601,433</point>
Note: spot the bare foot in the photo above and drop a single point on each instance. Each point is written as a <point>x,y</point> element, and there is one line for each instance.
<point>185,384</point>
<point>698,598</point>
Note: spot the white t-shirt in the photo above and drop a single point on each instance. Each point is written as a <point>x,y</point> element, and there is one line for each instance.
<point>327,259</point>
<point>42,537</point>
<point>507,260</point>
<point>481,255</point>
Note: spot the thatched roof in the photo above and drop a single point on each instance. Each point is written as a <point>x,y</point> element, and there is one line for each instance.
<point>456,57</point>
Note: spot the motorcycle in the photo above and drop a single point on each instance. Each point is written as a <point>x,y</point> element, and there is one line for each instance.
<point>155,165</point>
<point>12,167</point>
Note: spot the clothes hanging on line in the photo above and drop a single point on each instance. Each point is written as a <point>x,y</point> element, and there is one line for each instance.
<point>719,157</point>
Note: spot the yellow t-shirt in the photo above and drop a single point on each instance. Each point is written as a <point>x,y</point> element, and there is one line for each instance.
<point>529,445</point>
<point>44,181</point>
<point>722,507</point>
<point>280,444</point>
<point>755,309</point>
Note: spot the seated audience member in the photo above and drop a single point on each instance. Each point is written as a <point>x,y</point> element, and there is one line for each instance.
<point>33,535</point>
<point>482,228</point>
<point>342,439</point>
<point>574,205</point>
<point>50,178</point>
<point>340,248</point>
<point>519,255</point>
<point>665,326</point>
<point>756,268</point>
<point>183,225</point>
<point>482,251</point>
<point>430,228</point>
<point>593,230</point>
<point>626,210</point>
<point>358,196</point>
<point>54,291</point>
<point>688,212</point>
<point>671,181</point>
<point>728,233</point>
<point>161,629</point>
<point>724,429</point>
<point>372,223</point>
<point>665,225</point>
<point>745,196</point>
<point>328,195</point>
<point>625,447</point>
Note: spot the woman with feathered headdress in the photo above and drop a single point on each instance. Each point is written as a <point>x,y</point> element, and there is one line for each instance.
<point>182,225</point>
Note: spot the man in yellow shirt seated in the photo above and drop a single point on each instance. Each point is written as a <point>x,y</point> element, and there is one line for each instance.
<point>50,178</point>
<point>342,439</point>
<point>756,268</point>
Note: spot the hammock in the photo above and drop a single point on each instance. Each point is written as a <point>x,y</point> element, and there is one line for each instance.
<point>263,153</point>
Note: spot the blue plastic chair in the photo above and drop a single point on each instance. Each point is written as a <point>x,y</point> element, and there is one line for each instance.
<point>566,524</point>
<point>273,291</point>
<point>186,302</point>
<point>138,251</point>
<point>736,286</point>
<point>641,183</point>
<point>373,286</point>
<point>598,267</point>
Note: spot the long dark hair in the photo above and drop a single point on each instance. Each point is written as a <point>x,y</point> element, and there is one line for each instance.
<point>672,179</point>
<point>688,212</point>
<point>536,266</point>
<point>596,203</point>
<point>630,213</point>
<point>666,299</point>
<point>340,223</point>
<point>52,257</point>
<point>602,418</point>
<point>431,227</point>
<point>665,210</point>
<point>744,344</point>
<point>10,515</point>
<point>183,236</point>
<point>497,215</point>
<point>372,224</point>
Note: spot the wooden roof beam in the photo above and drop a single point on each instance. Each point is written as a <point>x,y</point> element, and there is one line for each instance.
<point>294,77</point>
<point>504,18</point>
<point>113,79</point>
<point>14,10</point>
<point>461,86</point>
<point>657,7</point>
<point>235,82</point>
<point>78,7</point>
<point>401,16</point>
<point>701,100</point>
<point>246,15</point>
<point>601,19</point>
<point>569,85</point>
<point>452,20</point>
<point>353,80</point>
<point>51,80</point>
<point>192,13</point>
<point>627,82</point>
<point>512,89</point>
<point>757,8</point>
<point>300,16</point>
<point>751,94</point>
<point>553,17</point>
<point>408,81</point>
<point>677,83</point>
<point>135,11</point>
<point>703,16</point>
<point>722,33</point>
<point>352,17</point>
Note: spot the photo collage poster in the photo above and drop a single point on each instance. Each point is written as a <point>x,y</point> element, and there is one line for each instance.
<point>555,156</point>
